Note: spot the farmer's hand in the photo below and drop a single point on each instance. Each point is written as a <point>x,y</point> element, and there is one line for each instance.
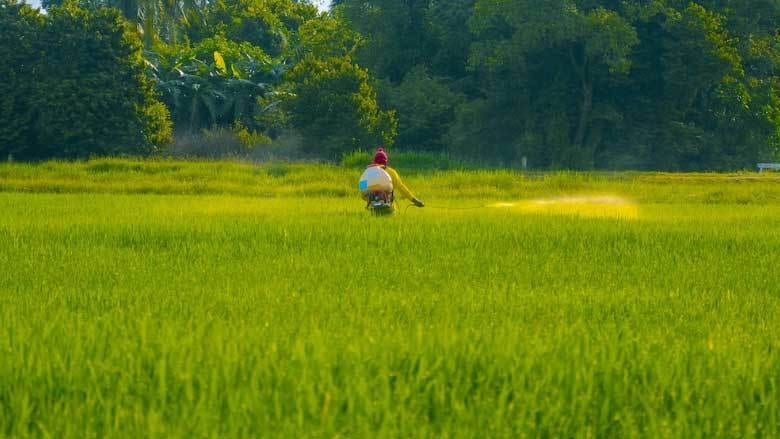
<point>417,202</point>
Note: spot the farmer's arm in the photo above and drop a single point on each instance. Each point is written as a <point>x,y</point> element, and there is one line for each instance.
<point>399,185</point>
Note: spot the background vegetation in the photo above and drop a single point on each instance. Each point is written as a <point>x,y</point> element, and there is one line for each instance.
<point>582,84</point>
<point>75,84</point>
<point>659,84</point>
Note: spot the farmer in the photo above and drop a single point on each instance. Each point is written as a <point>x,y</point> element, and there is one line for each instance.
<point>380,160</point>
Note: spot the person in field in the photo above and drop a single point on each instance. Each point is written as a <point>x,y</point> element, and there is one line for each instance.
<point>380,182</point>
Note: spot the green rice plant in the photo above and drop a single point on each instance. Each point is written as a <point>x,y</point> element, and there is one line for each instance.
<point>220,299</point>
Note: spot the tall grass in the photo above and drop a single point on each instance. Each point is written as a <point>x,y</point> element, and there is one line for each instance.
<point>230,306</point>
<point>272,180</point>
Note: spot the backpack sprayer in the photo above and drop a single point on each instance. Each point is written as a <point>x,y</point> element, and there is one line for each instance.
<point>376,185</point>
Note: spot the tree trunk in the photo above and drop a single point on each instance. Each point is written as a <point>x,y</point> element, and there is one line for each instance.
<point>587,98</point>
<point>585,110</point>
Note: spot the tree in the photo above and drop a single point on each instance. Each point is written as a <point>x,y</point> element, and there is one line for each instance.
<point>448,25</point>
<point>327,37</point>
<point>426,110</point>
<point>397,33</point>
<point>552,49</point>
<point>271,25</point>
<point>690,102</point>
<point>154,19</point>
<point>19,28</point>
<point>88,91</point>
<point>215,83</point>
<point>335,108</point>
<point>668,84</point>
<point>419,50</point>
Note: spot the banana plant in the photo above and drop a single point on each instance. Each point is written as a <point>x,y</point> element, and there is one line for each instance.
<point>203,94</point>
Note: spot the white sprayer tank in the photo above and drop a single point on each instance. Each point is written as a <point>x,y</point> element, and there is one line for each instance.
<point>375,179</point>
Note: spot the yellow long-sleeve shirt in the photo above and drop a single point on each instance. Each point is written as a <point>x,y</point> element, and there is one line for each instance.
<point>398,184</point>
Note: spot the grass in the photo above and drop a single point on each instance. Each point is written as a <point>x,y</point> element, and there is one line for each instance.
<point>175,299</point>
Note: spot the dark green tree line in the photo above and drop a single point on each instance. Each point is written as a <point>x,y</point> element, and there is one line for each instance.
<point>646,84</point>
<point>582,84</point>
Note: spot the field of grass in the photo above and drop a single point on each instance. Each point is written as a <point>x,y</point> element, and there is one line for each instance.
<point>173,299</point>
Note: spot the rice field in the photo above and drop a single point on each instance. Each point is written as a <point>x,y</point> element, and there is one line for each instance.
<point>196,299</point>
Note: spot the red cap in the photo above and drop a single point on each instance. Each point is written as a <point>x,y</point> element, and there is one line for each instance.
<point>380,158</point>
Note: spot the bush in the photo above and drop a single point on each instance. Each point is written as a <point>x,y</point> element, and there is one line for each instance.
<point>335,108</point>
<point>426,110</point>
<point>286,146</point>
<point>81,75</point>
<point>236,143</point>
<point>218,143</point>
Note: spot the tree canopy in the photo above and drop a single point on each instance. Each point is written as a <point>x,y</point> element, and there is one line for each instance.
<point>74,85</point>
<point>582,84</point>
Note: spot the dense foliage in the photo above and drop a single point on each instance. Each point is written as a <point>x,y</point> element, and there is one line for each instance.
<point>333,105</point>
<point>74,84</point>
<point>660,84</point>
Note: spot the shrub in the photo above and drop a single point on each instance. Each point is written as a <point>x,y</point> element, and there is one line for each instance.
<point>335,108</point>
<point>236,143</point>
<point>215,143</point>
<point>81,75</point>
<point>426,110</point>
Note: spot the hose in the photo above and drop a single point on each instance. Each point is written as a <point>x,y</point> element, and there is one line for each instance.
<point>449,208</point>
